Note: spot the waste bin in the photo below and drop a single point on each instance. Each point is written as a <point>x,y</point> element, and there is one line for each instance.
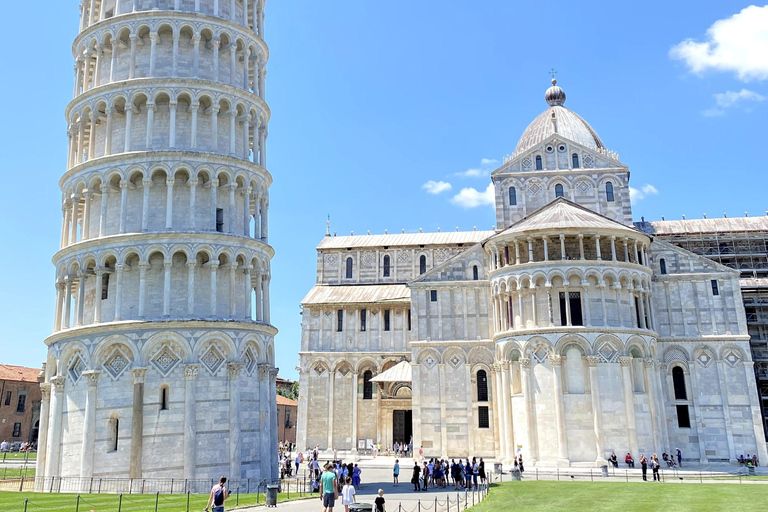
<point>604,469</point>
<point>751,470</point>
<point>271,500</point>
<point>361,506</point>
<point>497,467</point>
<point>516,475</point>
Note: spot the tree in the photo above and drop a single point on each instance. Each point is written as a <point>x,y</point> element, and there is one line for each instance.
<point>292,393</point>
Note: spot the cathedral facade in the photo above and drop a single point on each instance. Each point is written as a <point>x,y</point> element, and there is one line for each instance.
<point>564,335</point>
<point>160,369</point>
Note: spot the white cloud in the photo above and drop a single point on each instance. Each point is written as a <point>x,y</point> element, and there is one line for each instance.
<point>636,194</point>
<point>486,166</point>
<point>728,99</point>
<point>488,161</point>
<point>737,44</point>
<point>436,187</point>
<point>472,198</point>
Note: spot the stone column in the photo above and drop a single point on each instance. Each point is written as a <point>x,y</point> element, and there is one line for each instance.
<point>506,397</point>
<point>530,412</point>
<point>104,200</point>
<point>137,423</point>
<point>214,184</point>
<point>74,217</point>
<point>470,410</point>
<point>53,453</point>
<point>726,411</point>
<point>232,132</point>
<point>167,265</point>
<point>97,297</point>
<point>42,441</point>
<point>232,282</point>
<point>597,247</point>
<point>597,410</point>
<point>190,420</point>
<point>84,234</point>
<point>264,421</point>
<point>123,204</point>
<point>214,110</point>
<point>562,439</point>
<point>247,212</point>
<point>172,136</point>
<point>661,369</point>
<point>762,450</point>
<point>331,385</point>
<point>259,307</point>
<point>273,423</point>
<point>216,43</point>
<point>67,302</point>
<point>441,384</point>
<point>232,189</point>
<point>92,136</point>
<point>191,287</point>
<point>169,204</point>
<point>119,292</point>
<point>132,64</point>
<point>498,411</point>
<point>193,108</point>
<point>629,403</point>
<point>235,442</point>
<point>581,247</point>
<point>146,185</point>
<point>59,306</point>
<point>80,299</point>
<point>175,56</point>
<point>143,265</point>
<point>267,279</point>
<point>563,256</point>
<point>152,52</point>
<point>214,265</point>
<point>247,314</point>
<point>89,425</point>
<point>613,248</point>
<point>653,402</point>
<point>698,420</point>
<point>354,412</point>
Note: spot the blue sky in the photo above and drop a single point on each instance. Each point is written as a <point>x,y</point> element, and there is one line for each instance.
<point>371,100</point>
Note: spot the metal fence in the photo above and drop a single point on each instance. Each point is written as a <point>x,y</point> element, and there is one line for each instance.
<point>128,486</point>
<point>460,500</point>
<point>741,475</point>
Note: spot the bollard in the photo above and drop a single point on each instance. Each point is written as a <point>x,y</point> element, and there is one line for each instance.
<point>120,503</point>
<point>21,486</point>
<point>187,500</point>
<point>558,474</point>
<point>26,502</point>
<point>157,500</point>
<point>77,506</point>
<point>237,496</point>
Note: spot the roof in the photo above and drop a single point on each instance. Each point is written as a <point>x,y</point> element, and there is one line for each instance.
<point>357,294</point>
<point>401,372</point>
<point>715,225</point>
<point>404,239</point>
<point>752,282</point>
<point>19,373</point>
<point>281,400</point>
<point>558,120</point>
<point>562,214</point>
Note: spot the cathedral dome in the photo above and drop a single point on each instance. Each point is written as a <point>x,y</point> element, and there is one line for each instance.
<point>558,120</point>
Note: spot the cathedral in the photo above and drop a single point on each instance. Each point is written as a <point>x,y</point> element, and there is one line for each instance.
<point>566,334</point>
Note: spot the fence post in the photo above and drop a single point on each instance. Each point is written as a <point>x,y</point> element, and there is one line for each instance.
<point>77,506</point>
<point>248,484</point>
<point>21,486</point>
<point>120,503</point>
<point>99,486</point>
<point>187,500</point>
<point>419,505</point>
<point>157,499</point>
<point>172,486</point>
<point>237,496</point>
<point>26,502</point>
<point>558,474</point>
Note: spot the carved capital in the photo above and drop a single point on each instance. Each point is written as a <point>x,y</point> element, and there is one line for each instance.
<point>234,369</point>
<point>593,360</point>
<point>504,365</point>
<point>58,383</point>
<point>138,375</point>
<point>525,363</point>
<point>45,391</point>
<point>648,363</point>
<point>273,373</point>
<point>625,361</point>
<point>263,371</point>
<point>93,377</point>
<point>556,359</point>
<point>191,371</point>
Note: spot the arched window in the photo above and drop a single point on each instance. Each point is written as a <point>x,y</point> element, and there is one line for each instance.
<point>386,266</point>
<point>558,190</point>
<point>114,427</point>
<point>538,163</point>
<point>678,380</point>
<point>482,386</point>
<point>422,264</point>
<point>164,397</point>
<point>512,196</point>
<point>575,160</point>
<point>367,385</point>
<point>663,266</point>
<point>349,268</point>
<point>475,275</point>
<point>609,192</point>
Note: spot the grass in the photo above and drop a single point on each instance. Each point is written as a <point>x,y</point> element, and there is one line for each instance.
<point>14,502</point>
<point>18,456</point>
<point>614,496</point>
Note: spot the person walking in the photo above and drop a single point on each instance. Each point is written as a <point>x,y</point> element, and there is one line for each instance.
<point>348,494</point>
<point>330,488</point>
<point>356,477</point>
<point>679,458</point>
<point>396,472</point>
<point>219,495</point>
<point>415,477</point>
<point>644,467</point>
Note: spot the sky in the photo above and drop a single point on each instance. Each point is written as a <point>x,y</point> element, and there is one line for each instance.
<point>391,115</point>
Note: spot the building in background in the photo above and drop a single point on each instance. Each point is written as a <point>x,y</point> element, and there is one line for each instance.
<point>19,404</point>
<point>286,419</point>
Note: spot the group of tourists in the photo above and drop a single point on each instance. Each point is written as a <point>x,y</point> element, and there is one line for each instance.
<point>336,481</point>
<point>749,461</point>
<point>438,473</point>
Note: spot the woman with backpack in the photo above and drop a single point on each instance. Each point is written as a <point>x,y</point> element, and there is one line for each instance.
<point>219,495</point>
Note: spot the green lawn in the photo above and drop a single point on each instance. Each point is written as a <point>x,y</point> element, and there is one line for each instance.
<point>14,502</point>
<point>613,497</point>
<point>18,456</point>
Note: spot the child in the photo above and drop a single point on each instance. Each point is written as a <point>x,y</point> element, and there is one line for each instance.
<point>396,471</point>
<point>379,502</point>
<point>348,494</point>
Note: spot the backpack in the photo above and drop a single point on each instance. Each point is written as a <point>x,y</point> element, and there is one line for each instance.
<point>218,497</point>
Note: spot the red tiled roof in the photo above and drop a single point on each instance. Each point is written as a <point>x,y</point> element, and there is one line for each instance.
<point>281,400</point>
<point>18,373</point>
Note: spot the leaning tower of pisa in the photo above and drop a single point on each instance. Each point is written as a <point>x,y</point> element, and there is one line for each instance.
<point>161,363</point>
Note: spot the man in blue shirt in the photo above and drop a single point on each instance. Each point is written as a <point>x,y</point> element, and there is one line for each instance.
<point>330,488</point>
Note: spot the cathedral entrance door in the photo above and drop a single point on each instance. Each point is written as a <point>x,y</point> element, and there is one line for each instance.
<point>402,427</point>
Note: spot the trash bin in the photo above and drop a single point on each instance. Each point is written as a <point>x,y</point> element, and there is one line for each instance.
<point>497,467</point>
<point>604,469</point>
<point>516,475</point>
<point>271,499</point>
<point>751,470</point>
<point>361,506</point>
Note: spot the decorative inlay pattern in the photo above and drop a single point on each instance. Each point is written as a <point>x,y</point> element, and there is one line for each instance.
<point>76,368</point>
<point>165,360</point>
<point>212,360</point>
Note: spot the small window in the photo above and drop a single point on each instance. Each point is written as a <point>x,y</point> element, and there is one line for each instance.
<point>367,385</point>
<point>105,287</point>
<point>482,386</point>
<point>663,266</point>
<point>483,420</point>
<point>409,319</point>
<point>340,320</point>
<point>287,418</point>
<point>16,430</point>
<point>8,396</point>
<point>349,268</point>
<point>220,220</point>
<point>386,319</point>
<point>678,380</point>
<point>575,161</point>
<point>609,192</point>
<point>114,425</point>
<point>558,190</point>
<point>683,419</point>
<point>362,319</point>
<point>422,264</point>
<point>433,295</point>
<point>164,398</point>
<point>715,290</point>
<point>475,275</point>
<point>538,163</point>
<point>386,266</point>
<point>512,196</point>
<point>22,403</point>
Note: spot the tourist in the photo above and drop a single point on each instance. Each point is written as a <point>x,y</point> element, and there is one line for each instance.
<point>644,467</point>
<point>679,457</point>
<point>522,468</point>
<point>335,454</point>
<point>614,460</point>
<point>299,460</point>
<point>421,453</point>
<point>330,488</point>
<point>431,467</point>
<point>468,474</point>
<point>475,472</point>
<point>410,448</point>
<point>482,470</point>
<point>629,460</point>
<point>425,477</point>
<point>655,468</point>
<point>415,477</point>
<point>356,477</point>
<point>396,471</point>
<point>219,495</point>
<point>379,502</point>
<point>348,494</point>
